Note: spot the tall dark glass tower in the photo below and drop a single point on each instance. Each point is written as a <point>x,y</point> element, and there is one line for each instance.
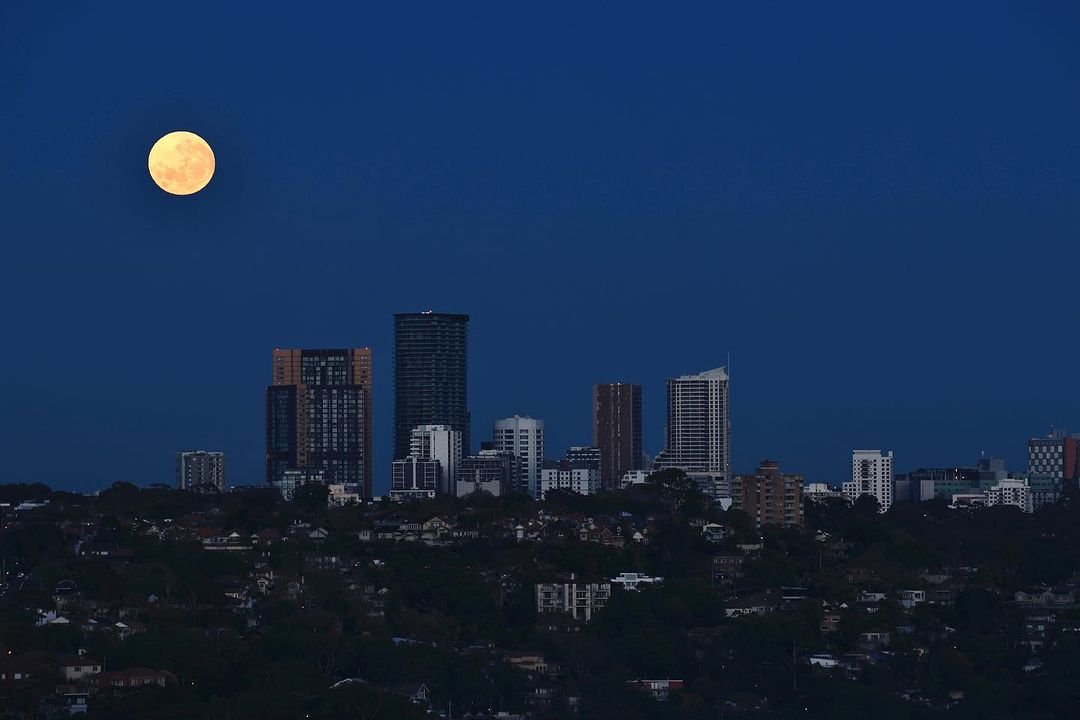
<point>430,375</point>
<point>617,430</point>
<point>318,415</point>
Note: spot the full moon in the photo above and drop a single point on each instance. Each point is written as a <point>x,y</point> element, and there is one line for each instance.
<point>181,163</point>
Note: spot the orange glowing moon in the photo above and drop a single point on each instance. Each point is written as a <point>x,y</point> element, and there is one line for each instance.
<point>181,163</point>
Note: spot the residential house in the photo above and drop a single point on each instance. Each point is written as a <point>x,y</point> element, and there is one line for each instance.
<point>756,604</point>
<point>714,532</point>
<point>1046,598</point>
<point>659,689</point>
<point>79,667</point>
<point>874,640</point>
<point>528,661</point>
<point>910,598</point>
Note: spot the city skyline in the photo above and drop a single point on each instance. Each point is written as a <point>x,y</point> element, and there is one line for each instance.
<point>379,478</point>
<point>702,394</point>
<point>512,361</point>
<point>646,197</point>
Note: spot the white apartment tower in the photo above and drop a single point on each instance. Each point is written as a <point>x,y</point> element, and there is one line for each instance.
<point>871,474</point>
<point>442,443</point>
<point>523,437</point>
<point>1011,491</point>
<point>576,476</point>
<point>697,438</point>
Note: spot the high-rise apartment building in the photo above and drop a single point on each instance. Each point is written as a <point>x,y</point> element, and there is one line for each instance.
<point>430,375</point>
<point>697,437</point>
<point>318,415</point>
<point>200,471</point>
<point>769,496</point>
<point>579,476</point>
<point>1055,456</point>
<point>871,474</point>
<point>617,430</point>
<point>523,437</point>
<point>442,443</point>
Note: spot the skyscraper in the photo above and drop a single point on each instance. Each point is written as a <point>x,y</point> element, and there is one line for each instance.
<point>871,474</point>
<point>617,430</point>
<point>430,368</point>
<point>318,415</point>
<point>200,471</point>
<point>523,437</point>
<point>697,438</point>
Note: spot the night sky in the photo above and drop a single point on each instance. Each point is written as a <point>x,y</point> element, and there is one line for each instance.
<point>873,207</point>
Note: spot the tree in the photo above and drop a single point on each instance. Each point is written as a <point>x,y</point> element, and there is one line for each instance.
<point>311,497</point>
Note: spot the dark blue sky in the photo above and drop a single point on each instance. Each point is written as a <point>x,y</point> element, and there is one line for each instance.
<point>874,207</point>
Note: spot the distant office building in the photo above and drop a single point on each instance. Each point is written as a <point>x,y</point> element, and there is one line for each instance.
<point>581,476</point>
<point>697,438</point>
<point>1011,491</point>
<point>442,443</point>
<point>930,483</point>
<point>908,488</point>
<point>871,474</point>
<point>318,415</point>
<point>1055,456</point>
<point>769,496</point>
<point>1044,490</point>
<point>991,471</point>
<point>523,437</point>
<point>415,478</point>
<point>491,470</point>
<point>291,480</point>
<point>200,471</point>
<point>430,375</point>
<point>617,430</point>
